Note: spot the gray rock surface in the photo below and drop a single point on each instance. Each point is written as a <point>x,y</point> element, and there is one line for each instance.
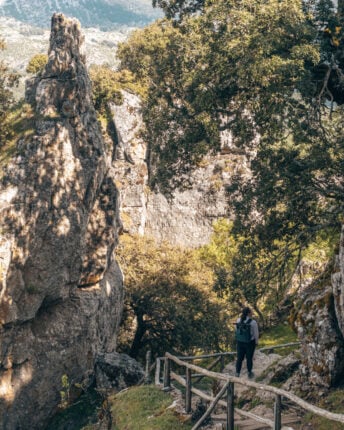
<point>188,217</point>
<point>322,346</point>
<point>117,371</point>
<point>61,289</point>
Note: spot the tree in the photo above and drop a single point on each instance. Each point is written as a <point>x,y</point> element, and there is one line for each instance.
<point>169,302</point>
<point>271,73</point>
<point>7,81</point>
<point>236,66</point>
<point>179,8</point>
<point>37,64</point>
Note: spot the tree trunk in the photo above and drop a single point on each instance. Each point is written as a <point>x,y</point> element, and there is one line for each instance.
<point>140,331</point>
<point>261,317</point>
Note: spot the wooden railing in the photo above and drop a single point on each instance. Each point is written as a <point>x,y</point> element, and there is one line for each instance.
<point>227,390</point>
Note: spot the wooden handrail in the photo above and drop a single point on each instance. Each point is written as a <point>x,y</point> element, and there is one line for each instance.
<point>278,391</point>
<point>200,357</point>
<point>283,345</point>
<point>209,398</point>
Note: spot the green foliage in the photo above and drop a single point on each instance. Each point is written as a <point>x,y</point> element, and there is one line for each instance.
<point>145,408</point>
<point>155,55</point>
<point>7,81</point>
<point>20,125</point>
<point>179,8</point>
<point>37,64</point>
<point>270,72</point>
<point>218,255</point>
<point>277,335</point>
<point>243,272</point>
<point>206,74</point>
<point>169,303</point>
<point>107,85</point>
<point>65,392</point>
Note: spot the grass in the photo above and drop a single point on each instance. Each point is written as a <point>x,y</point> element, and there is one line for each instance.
<point>332,402</point>
<point>278,335</point>
<point>145,408</point>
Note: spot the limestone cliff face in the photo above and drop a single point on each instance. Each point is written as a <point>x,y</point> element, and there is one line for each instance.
<point>188,217</point>
<point>60,286</point>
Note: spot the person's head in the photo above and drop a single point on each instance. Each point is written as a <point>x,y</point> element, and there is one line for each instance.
<point>246,312</point>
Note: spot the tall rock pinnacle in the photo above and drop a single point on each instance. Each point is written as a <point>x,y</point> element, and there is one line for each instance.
<point>60,285</point>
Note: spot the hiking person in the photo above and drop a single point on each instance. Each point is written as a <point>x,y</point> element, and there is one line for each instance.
<point>247,335</point>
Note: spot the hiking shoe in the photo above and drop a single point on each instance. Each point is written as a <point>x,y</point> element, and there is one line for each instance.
<point>237,374</point>
<point>251,375</point>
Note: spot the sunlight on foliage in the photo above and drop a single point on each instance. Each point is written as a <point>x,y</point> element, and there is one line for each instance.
<point>170,304</point>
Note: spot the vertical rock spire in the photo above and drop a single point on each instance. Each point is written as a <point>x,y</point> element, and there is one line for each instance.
<point>61,289</point>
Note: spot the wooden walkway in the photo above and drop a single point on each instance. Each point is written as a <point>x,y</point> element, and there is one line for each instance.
<point>234,418</point>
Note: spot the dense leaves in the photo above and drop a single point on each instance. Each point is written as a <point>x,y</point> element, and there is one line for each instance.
<point>179,8</point>
<point>271,72</point>
<point>236,66</point>
<point>37,63</point>
<point>169,304</point>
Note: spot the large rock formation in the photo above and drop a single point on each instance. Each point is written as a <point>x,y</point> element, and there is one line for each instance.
<point>322,345</point>
<point>187,218</point>
<point>60,286</point>
<point>319,323</point>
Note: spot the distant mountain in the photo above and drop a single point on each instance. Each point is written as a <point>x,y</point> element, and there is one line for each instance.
<point>103,14</point>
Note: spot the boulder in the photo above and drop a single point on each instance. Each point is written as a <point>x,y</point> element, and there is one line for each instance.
<point>117,371</point>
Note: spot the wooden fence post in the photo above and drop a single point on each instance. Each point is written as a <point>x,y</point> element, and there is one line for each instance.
<point>188,393</point>
<point>167,374</point>
<point>148,364</point>
<point>157,371</point>
<point>222,365</point>
<point>277,413</point>
<point>230,406</point>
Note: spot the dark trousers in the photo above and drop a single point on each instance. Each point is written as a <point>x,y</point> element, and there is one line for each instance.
<point>245,350</point>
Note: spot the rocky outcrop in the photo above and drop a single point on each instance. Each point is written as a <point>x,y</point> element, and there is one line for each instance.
<point>60,286</point>
<point>117,371</point>
<point>322,343</point>
<point>319,321</point>
<point>187,218</point>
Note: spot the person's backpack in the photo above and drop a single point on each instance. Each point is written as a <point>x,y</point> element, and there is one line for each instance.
<point>243,331</point>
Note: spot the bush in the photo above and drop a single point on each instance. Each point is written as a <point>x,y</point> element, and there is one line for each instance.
<point>37,64</point>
